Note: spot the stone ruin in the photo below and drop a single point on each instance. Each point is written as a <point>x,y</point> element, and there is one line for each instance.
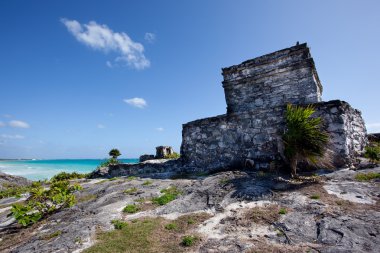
<point>257,92</point>
<point>161,153</point>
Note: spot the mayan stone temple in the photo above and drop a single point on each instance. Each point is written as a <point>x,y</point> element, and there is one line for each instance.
<point>257,92</point>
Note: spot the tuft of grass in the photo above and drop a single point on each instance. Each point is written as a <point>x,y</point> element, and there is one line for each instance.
<point>52,235</point>
<point>148,182</point>
<point>130,190</point>
<point>131,209</point>
<point>365,177</point>
<point>315,196</point>
<point>169,195</point>
<point>171,226</point>
<point>112,179</point>
<point>224,181</point>
<point>130,178</point>
<point>190,221</point>
<point>189,240</point>
<point>119,224</point>
<point>279,233</point>
<point>282,211</point>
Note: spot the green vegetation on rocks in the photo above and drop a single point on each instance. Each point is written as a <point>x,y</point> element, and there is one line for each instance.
<point>372,152</point>
<point>367,176</point>
<point>169,195</point>
<point>44,201</point>
<point>174,155</point>
<point>67,176</point>
<point>131,209</point>
<point>119,224</point>
<point>130,190</point>
<point>189,240</point>
<point>303,139</point>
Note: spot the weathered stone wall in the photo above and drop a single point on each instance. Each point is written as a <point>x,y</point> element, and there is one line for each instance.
<point>285,76</point>
<point>348,134</point>
<point>227,140</point>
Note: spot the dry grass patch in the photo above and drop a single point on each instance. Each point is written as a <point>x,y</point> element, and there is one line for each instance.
<point>262,246</point>
<point>86,197</point>
<point>263,215</point>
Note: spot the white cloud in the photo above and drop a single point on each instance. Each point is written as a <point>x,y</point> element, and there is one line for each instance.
<point>19,124</point>
<point>373,127</point>
<point>101,126</point>
<point>160,129</point>
<point>2,124</point>
<point>15,136</point>
<point>150,37</point>
<point>7,116</point>
<point>136,102</point>
<point>101,37</point>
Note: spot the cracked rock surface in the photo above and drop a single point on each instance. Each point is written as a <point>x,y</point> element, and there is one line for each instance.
<point>249,211</point>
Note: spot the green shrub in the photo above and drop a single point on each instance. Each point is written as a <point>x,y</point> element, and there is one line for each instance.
<point>303,139</point>
<point>131,209</point>
<point>171,226</point>
<point>111,161</point>
<point>169,195</point>
<point>189,240</point>
<point>67,176</point>
<point>367,176</point>
<point>372,153</point>
<point>44,201</point>
<point>119,224</point>
<point>173,156</point>
<point>282,211</point>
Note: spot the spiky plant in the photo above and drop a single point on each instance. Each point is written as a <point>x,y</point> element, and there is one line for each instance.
<point>304,140</point>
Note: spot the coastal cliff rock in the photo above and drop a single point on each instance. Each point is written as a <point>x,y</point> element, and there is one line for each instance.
<point>7,180</point>
<point>243,212</point>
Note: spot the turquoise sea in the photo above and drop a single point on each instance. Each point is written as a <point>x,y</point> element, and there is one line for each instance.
<point>45,169</point>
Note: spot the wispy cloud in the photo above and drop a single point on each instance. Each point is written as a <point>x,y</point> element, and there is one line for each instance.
<point>7,116</point>
<point>150,37</point>
<point>373,127</point>
<point>101,126</point>
<point>136,102</point>
<point>18,124</point>
<point>9,136</point>
<point>2,124</point>
<point>160,129</point>
<point>101,37</point>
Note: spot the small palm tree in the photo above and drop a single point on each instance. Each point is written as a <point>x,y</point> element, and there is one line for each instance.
<point>114,153</point>
<point>303,139</point>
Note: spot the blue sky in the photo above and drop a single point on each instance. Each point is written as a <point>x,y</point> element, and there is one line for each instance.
<point>80,77</point>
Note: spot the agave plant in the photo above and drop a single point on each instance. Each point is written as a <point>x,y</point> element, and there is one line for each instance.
<point>304,140</point>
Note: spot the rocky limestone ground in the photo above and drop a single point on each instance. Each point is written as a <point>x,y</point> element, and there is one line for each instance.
<point>7,180</point>
<point>242,212</point>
